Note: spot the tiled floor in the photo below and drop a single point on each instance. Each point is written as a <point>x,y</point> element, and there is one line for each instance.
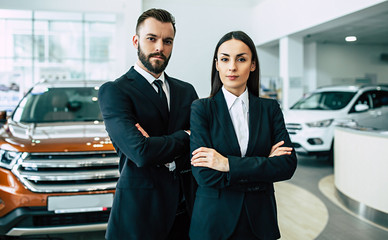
<point>307,209</point>
<point>316,176</point>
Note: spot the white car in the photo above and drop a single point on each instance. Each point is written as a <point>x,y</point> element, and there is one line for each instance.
<point>311,121</point>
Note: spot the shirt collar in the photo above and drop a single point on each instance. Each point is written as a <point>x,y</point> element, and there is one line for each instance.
<point>147,75</point>
<point>231,98</point>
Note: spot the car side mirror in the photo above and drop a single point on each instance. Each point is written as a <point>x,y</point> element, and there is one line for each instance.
<point>361,107</point>
<point>3,117</point>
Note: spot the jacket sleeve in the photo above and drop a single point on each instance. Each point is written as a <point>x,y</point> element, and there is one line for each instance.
<point>120,119</point>
<point>266,169</point>
<point>200,137</point>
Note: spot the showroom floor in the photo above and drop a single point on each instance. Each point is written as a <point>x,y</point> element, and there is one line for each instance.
<point>307,209</point>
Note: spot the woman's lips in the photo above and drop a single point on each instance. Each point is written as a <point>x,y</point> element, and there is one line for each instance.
<point>232,77</point>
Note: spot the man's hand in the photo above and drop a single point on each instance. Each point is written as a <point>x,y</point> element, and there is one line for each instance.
<point>145,134</point>
<point>171,166</point>
<point>276,150</point>
<point>208,157</point>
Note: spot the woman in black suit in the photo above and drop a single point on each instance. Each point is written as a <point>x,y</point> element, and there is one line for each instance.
<point>240,146</point>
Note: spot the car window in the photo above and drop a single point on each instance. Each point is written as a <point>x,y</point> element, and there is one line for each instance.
<point>58,105</point>
<point>379,99</point>
<point>324,101</point>
<point>363,99</point>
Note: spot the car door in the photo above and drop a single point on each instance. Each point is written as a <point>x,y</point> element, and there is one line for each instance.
<point>379,111</point>
<point>376,114</point>
<point>362,115</point>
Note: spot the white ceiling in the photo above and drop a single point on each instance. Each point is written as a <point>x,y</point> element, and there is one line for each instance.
<point>369,30</point>
<point>370,26</point>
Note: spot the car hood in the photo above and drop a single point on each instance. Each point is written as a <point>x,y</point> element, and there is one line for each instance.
<point>55,137</point>
<point>303,116</point>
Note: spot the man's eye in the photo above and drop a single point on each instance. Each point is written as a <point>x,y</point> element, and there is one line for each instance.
<point>168,42</point>
<point>151,38</point>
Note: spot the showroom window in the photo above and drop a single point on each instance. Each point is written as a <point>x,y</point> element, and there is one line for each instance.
<point>39,45</point>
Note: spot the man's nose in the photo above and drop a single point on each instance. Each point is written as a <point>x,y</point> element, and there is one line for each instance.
<point>159,46</point>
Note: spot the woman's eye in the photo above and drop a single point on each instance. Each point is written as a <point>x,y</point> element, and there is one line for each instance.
<point>224,59</point>
<point>241,60</point>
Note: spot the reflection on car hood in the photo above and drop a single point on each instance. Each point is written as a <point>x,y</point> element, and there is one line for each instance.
<point>303,116</point>
<point>56,137</point>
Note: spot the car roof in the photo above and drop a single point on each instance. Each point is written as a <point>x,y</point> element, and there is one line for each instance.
<point>351,88</point>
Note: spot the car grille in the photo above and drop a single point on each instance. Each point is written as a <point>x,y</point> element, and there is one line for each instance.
<point>293,127</point>
<point>297,145</point>
<point>70,219</point>
<point>68,172</point>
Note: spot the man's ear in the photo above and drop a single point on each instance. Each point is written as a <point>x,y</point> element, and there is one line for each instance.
<point>135,41</point>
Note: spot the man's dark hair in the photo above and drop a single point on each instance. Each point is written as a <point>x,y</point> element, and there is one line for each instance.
<point>159,14</point>
<point>253,83</point>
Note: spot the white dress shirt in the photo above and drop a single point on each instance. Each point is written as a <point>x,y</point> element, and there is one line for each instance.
<point>239,113</point>
<point>151,79</point>
<point>166,88</point>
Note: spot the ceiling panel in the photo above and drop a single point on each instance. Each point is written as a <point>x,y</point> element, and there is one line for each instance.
<point>369,30</point>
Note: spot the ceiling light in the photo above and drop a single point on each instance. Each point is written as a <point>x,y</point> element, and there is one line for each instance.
<point>351,38</point>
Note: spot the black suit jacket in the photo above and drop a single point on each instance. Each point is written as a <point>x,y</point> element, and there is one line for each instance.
<point>147,193</point>
<point>221,196</point>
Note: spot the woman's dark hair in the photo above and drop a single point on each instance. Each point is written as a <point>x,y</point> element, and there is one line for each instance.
<point>253,83</point>
<point>159,14</point>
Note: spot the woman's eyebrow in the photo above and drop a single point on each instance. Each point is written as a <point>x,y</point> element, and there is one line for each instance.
<point>238,55</point>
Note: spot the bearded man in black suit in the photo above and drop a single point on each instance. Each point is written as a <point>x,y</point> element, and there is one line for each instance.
<point>147,116</point>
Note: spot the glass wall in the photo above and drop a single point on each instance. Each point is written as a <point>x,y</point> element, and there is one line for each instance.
<point>54,46</point>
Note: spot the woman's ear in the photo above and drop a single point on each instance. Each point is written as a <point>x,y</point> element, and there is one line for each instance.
<point>216,64</point>
<point>253,66</point>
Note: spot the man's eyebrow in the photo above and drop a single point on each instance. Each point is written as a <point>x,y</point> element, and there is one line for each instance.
<point>168,39</point>
<point>155,36</point>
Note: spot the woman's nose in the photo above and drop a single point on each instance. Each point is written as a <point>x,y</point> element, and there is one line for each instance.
<point>232,66</point>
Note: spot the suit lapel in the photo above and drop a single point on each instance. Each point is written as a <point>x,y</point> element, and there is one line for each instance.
<point>145,88</point>
<point>254,123</point>
<point>175,96</point>
<point>222,115</point>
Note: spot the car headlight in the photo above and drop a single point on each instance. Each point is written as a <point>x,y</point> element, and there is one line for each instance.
<point>324,123</point>
<point>9,158</point>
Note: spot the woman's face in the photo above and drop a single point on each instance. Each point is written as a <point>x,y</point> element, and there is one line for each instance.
<point>234,64</point>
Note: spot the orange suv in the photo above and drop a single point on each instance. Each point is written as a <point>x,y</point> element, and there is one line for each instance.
<point>58,168</point>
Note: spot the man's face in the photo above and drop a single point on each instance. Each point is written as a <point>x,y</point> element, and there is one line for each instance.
<point>154,43</point>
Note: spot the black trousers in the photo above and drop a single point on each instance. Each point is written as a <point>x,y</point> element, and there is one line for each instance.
<point>180,228</point>
<point>243,230</point>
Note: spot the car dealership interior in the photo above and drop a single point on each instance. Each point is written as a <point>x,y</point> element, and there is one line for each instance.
<point>325,62</point>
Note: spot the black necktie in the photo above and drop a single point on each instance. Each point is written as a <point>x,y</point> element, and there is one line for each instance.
<point>162,94</point>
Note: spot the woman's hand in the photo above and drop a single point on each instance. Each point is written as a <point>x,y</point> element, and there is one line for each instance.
<point>208,157</point>
<point>276,150</point>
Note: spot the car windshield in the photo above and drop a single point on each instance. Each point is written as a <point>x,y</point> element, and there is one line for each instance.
<point>58,105</point>
<point>324,101</point>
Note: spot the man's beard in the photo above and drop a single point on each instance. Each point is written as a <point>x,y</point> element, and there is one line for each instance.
<point>159,65</point>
